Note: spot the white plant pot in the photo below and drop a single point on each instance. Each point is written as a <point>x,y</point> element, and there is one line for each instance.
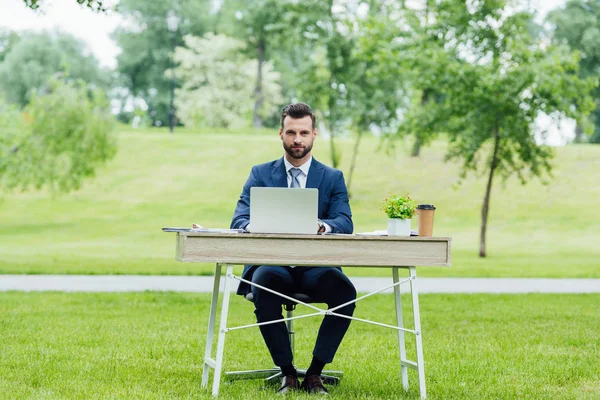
<point>398,227</point>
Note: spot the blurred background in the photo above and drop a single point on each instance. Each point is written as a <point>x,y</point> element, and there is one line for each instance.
<point>118,118</point>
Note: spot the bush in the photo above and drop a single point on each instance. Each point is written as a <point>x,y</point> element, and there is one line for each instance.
<point>62,136</point>
<point>12,129</point>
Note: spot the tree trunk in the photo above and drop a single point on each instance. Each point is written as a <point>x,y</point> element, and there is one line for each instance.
<point>416,150</point>
<point>578,133</point>
<point>488,191</point>
<point>332,150</point>
<point>353,161</point>
<point>335,158</point>
<point>151,113</point>
<point>217,20</point>
<point>257,121</point>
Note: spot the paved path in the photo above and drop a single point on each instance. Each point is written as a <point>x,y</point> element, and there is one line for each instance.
<point>137,283</point>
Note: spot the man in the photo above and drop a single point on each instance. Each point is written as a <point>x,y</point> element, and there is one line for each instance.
<point>324,284</point>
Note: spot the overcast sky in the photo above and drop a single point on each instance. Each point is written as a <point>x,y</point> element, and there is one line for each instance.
<point>67,15</point>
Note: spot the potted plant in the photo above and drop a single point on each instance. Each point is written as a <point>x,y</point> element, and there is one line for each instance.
<point>400,210</point>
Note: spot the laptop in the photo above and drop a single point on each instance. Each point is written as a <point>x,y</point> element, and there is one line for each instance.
<point>284,210</point>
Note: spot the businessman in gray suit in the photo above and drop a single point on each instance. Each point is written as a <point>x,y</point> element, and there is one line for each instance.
<point>297,168</point>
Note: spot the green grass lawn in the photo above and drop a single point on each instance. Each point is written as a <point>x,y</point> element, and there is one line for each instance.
<point>150,346</point>
<point>112,225</point>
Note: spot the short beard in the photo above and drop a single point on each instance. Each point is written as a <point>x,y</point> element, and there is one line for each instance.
<point>290,151</point>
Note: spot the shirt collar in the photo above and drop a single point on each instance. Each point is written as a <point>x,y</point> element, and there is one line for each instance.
<point>304,167</point>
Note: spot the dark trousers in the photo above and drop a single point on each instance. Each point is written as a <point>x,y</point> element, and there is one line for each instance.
<point>324,284</point>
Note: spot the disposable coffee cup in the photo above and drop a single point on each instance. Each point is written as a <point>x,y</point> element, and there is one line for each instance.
<point>425,212</point>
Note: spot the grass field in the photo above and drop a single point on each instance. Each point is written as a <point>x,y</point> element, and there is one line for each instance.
<point>150,346</point>
<point>112,225</point>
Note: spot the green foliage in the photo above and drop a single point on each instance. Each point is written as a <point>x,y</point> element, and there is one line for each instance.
<point>218,83</point>
<point>391,78</point>
<point>147,46</point>
<point>577,24</point>
<point>498,101</point>
<point>94,5</point>
<point>491,77</point>
<point>262,25</point>
<point>11,131</point>
<point>255,22</point>
<point>7,40</point>
<point>337,68</point>
<point>323,71</point>
<point>401,207</point>
<point>34,57</point>
<point>62,137</point>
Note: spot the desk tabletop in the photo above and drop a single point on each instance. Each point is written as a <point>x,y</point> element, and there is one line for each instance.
<point>313,250</point>
<point>334,236</point>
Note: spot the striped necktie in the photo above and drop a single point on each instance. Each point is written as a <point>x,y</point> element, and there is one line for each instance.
<point>295,172</point>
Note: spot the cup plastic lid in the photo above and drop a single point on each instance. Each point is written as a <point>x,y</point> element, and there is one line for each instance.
<point>426,207</point>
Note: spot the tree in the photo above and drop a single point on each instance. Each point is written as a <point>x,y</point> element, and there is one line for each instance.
<point>261,25</point>
<point>147,45</point>
<point>59,139</point>
<point>7,40</point>
<point>493,97</point>
<point>217,88</point>
<point>320,63</point>
<point>311,43</point>
<point>95,5</point>
<point>415,25</point>
<point>495,78</point>
<point>324,83</point>
<point>375,91</point>
<point>338,70</point>
<point>578,25</point>
<point>35,57</point>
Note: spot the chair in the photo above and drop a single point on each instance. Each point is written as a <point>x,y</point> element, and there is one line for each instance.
<point>271,375</point>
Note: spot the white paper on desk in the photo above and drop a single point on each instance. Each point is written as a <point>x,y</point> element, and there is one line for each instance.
<point>207,230</point>
<point>384,233</point>
<point>217,230</point>
<point>373,233</point>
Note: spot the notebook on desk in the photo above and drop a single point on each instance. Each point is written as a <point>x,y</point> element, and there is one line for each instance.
<point>283,210</point>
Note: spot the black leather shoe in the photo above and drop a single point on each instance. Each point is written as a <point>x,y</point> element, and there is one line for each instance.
<point>288,384</point>
<point>314,385</point>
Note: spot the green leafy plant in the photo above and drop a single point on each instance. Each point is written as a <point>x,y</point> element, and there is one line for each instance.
<point>60,139</point>
<point>401,207</point>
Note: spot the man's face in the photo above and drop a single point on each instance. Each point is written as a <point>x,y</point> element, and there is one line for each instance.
<point>297,136</point>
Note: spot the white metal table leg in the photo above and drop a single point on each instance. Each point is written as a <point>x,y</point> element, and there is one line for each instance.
<point>400,322</point>
<point>222,332</point>
<point>419,333</point>
<point>208,362</point>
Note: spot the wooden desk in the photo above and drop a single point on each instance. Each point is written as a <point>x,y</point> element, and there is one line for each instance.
<point>228,249</point>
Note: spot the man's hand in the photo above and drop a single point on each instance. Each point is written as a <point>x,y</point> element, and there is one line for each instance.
<point>320,227</point>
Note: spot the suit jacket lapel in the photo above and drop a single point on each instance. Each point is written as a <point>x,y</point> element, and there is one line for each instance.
<point>315,175</point>
<point>278,174</point>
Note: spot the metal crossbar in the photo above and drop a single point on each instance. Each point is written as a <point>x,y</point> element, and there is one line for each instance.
<point>320,311</point>
<point>217,362</point>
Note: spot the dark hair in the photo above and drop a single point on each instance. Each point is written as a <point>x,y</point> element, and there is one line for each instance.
<point>298,110</point>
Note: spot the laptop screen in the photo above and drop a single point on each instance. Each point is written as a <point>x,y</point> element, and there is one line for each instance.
<point>283,210</point>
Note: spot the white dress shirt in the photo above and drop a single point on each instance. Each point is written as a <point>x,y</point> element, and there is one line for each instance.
<point>302,176</point>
